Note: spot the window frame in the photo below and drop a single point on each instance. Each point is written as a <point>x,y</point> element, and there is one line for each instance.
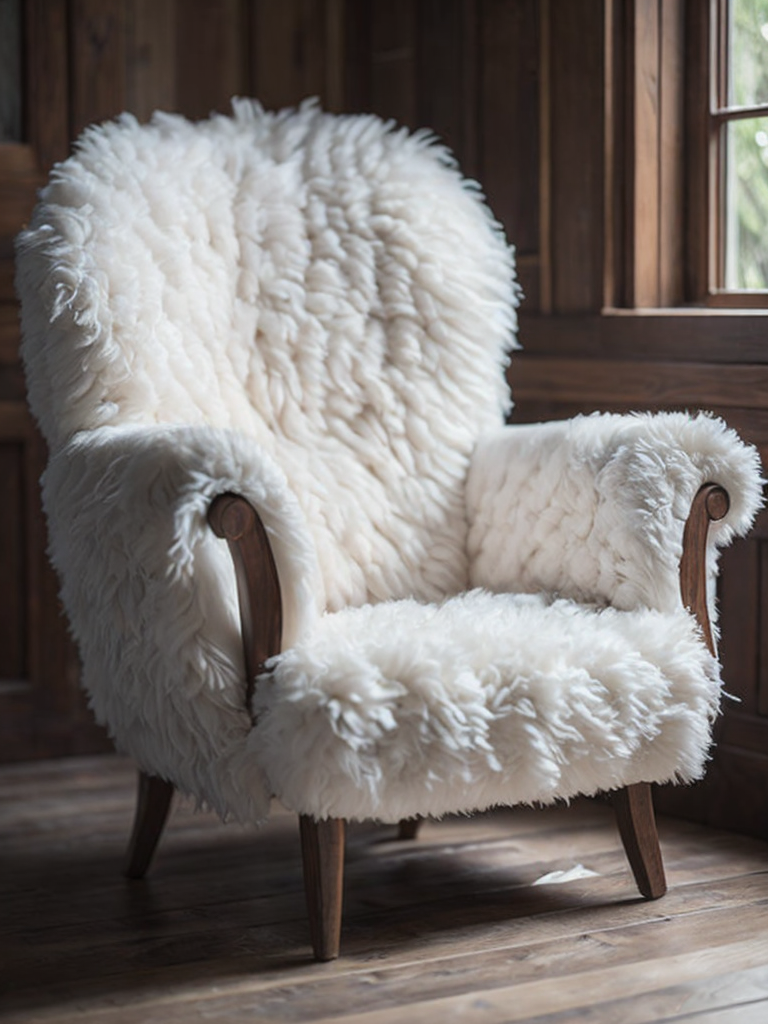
<point>707,114</point>
<point>663,175</point>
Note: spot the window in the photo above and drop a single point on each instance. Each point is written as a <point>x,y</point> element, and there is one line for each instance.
<point>739,133</point>
<point>688,127</point>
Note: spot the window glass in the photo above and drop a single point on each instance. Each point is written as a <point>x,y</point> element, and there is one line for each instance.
<point>746,204</point>
<point>748,52</point>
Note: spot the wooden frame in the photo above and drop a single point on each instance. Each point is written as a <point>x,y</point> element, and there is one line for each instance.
<point>706,112</point>
<point>322,842</point>
<point>664,105</point>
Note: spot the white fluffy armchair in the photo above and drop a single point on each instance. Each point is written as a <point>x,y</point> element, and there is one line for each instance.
<point>296,326</point>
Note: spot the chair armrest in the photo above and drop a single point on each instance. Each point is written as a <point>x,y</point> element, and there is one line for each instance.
<point>151,594</point>
<point>594,508</point>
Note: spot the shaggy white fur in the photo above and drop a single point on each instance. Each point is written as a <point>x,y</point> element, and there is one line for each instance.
<point>594,508</point>
<point>324,285</point>
<point>316,312</point>
<point>390,710</point>
<point>152,599</point>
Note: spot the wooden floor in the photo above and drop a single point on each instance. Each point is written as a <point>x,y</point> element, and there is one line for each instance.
<point>514,916</point>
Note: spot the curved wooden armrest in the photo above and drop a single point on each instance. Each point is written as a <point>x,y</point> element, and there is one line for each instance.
<point>235,520</point>
<point>710,504</point>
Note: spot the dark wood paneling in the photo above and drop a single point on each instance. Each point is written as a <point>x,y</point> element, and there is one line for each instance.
<point>738,599</point>
<point>762,602</point>
<point>393,60</point>
<point>696,275</point>
<point>733,795</point>
<point>649,383</point>
<point>13,596</point>
<point>211,55</point>
<point>653,91</point>
<point>675,335</point>
<point>642,109</point>
<point>98,66</point>
<point>151,56</point>
<point>508,161</point>
<point>46,62</point>
<point>671,130</point>
<point>440,71</point>
<point>289,50</point>
<point>576,146</point>
<point>42,711</point>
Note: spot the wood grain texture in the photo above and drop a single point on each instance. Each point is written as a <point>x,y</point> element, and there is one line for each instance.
<point>577,56</point>
<point>289,51</point>
<point>710,504</point>
<point>97,85</point>
<point>46,60</point>
<point>637,827</point>
<point>672,194</point>
<point>258,585</point>
<point>151,56</point>
<point>451,927</point>
<point>688,335</point>
<point>440,71</point>
<point>697,272</point>
<point>599,382</point>
<point>509,85</point>
<point>740,605</point>
<point>322,852</point>
<point>393,40</point>
<point>642,109</point>
<point>210,55</point>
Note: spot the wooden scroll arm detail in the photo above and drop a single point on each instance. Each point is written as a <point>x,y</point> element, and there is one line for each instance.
<point>235,520</point>
<point>710,505</point>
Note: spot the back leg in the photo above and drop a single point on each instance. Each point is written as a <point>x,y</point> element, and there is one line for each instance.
<point>409,828</point>
<point>152,805</point>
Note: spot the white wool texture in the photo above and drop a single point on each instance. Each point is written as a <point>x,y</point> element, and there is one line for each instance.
<point>152,600</point>
<point>317,312</point>
<point>328,286</point>
<point>594,508</point>
<point>488,699</point>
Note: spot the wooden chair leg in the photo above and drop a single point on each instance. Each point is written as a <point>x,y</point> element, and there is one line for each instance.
<point>409,828</point>
<point>152,805</point>
<point>322,850</point>
<point>637,826</point>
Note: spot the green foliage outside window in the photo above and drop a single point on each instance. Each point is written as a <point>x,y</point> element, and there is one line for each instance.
<point>746,215</point>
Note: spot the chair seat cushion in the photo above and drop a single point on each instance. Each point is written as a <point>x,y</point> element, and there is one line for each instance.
<point>400,709</point>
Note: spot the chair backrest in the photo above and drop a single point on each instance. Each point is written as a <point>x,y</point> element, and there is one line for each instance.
<point>326,285</point>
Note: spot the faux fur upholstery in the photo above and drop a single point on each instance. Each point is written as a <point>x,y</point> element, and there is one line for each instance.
<point>324,285</point>
<point>152,599</point>
<point>594,508</point>
<point>396,709</point>
<point>317,312</point>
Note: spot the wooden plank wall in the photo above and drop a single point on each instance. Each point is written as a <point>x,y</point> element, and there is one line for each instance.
<point>548,105</point>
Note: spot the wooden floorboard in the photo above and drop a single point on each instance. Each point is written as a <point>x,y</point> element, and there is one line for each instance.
<point>455,926</point>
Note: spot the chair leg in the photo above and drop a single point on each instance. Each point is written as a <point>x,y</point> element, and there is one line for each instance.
<point>152,805</point>
<point>637,826</point>
<point>322,850</point>
<point>409,828</point>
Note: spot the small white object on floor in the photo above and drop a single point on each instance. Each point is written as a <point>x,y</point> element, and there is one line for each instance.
<point>557,877</point>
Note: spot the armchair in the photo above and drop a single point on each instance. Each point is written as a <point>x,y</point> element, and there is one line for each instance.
<point>301,553</point>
